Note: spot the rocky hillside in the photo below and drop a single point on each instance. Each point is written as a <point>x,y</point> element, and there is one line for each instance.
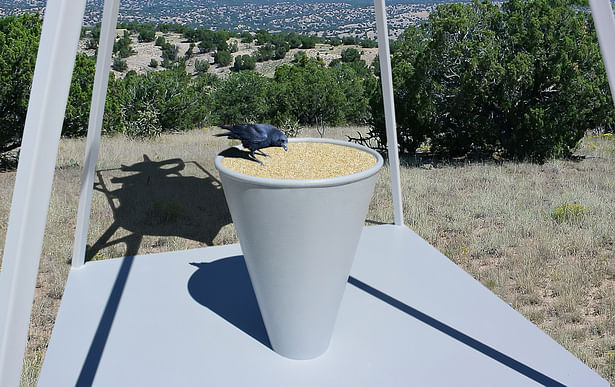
<point>146,51</point>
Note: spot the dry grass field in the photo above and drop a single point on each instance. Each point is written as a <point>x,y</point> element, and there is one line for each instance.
<point>539,236</point>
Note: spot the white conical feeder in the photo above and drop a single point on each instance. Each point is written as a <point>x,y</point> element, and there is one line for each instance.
<point>299,239</point>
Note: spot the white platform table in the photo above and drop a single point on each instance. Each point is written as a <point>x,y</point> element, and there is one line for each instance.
<point>409,317</point>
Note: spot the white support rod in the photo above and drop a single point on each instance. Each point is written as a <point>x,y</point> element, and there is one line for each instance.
<point>389,108</point>
<point>97,110</point>
<point>32,191</point>
<point>605,28</point>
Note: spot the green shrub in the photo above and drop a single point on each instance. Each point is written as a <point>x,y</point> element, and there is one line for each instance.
<point>334,41</point>
<point>308,41</point>
<point>349,40</point>
<point>350,55</point>
<point>368,43</point>
<point>314,94</point>
<point>192,35</point>
<point>77,113</point>
<point>293,39</point>
<point>122,46</point>
<point>244,62</point>
<point>160,41</point>
<point>280,51</point>
<point>525,80</point>
<point>201,66</point>
<point>147,34</point>
<point>262,37</point>
<point>157,101</point>
<point>242,97</point>
<point>213,40</point>
<point>166,63</point>
<point>246,37</point>
<point>19,36</point>
<point>264,52</point>
<point>169,51</point>
<point>568,212</point>
<point>144,122</point>
<point>119,64</point>
<point>223,58</point>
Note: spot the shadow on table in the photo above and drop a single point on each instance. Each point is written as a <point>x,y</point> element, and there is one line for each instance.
<point>224,287</point>
<point>494,354</point>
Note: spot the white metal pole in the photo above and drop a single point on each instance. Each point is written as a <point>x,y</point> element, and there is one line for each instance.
<point>97,110</point>
<point>389,108</point>
<point>605,28</point>
<point>26,227</point>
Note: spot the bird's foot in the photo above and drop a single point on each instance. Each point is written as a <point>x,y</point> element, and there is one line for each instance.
<point>253,157</point>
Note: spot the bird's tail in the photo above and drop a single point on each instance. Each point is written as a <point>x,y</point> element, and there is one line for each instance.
<point>228,127</point>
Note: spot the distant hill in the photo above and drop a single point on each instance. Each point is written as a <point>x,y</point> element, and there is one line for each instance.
<point>323,18</point>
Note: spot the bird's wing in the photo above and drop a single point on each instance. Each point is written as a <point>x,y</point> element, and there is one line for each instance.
<point>267,130</point>
<point>257,133</point>
<point>252,136</point>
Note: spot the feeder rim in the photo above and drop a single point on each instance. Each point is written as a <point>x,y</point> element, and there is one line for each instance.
<point>306,183</point>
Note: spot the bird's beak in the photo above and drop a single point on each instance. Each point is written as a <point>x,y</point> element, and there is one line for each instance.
<point>285,147</point>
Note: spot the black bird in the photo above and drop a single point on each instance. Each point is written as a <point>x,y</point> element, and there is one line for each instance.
<point>256,136</point>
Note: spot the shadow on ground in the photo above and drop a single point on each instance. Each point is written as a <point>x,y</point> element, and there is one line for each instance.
<point>158,198</point>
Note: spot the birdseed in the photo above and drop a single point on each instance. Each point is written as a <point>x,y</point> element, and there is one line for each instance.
<point>304,160</point>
